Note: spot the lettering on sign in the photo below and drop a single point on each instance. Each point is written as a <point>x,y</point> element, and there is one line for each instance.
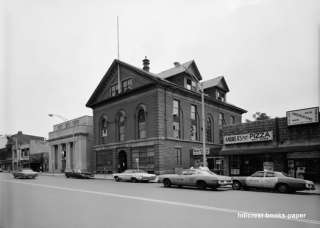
<point>198,151</point>
<point>249,137</point>
<point>303,116</point>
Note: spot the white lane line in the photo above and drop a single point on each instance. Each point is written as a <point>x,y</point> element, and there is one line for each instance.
<point>175,203</point>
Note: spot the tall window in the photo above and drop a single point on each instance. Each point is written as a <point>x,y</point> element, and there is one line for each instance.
<point>188,84</point>
<point>71,155</point>
<point>221,96</point>
<point>176,119</point>
<point>121,123</point>
<point>55,156</point>
<point>179,156</point>
<point>221,119</point>
<point>114,90</point>
<point>232,120</point>
<point>142,133</point>
<point>126,85</point>
<point>104,126</point>
<point>209,130</point>
<point>194,122</point>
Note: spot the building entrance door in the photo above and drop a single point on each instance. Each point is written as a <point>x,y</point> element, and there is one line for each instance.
<point>122,165</point>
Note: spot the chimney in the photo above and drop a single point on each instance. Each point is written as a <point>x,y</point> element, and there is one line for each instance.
<point>176,64</point>
<point>146,63</point>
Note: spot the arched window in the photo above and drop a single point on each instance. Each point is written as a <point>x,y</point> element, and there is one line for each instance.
<point>121,125</point>
<point>209,129</point>
<point>103,128</point>
<point>142,132</point>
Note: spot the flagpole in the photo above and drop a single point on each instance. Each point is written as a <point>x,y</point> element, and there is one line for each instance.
<point>118,55</point>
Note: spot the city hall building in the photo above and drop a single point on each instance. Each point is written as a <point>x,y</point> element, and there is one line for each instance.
<point>154,120</point>
<point>290,144</point>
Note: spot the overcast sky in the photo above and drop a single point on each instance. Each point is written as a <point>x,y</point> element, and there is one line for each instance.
<point>55,52</point>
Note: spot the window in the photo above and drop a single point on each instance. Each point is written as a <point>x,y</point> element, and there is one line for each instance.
<point>232,120</point>
<point>142,124</point>
<point>221,119</point>
<point>114,90</point>
<point>179,156</point>
<point>193,112</point>
<point>188,84</point>
<point>221,96</point>
<point>270,174</point>
<point>104,126</point>
<point>175,107</point>
<point>194,123</point>
<point>176,119</point>
<point>258,174</point>
<point>145,156</point>
<point>126,85</point>
<point>121,123</point>
<point>56,156</point>
<point>209,130</point>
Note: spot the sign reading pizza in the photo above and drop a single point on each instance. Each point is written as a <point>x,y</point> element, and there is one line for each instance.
<point>249,137</point>
<point>303,116</point>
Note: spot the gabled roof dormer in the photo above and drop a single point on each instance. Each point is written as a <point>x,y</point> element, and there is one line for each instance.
<point>216,88</point>
<point>186,75</point>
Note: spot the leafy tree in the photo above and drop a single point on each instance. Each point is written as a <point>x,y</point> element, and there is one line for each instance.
<point>259,116</point>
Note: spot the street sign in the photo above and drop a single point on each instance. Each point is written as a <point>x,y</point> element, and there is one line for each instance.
<point>303,116</point>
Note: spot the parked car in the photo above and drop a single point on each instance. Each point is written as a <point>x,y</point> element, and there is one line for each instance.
<point>25,174</point>
<point>272,180</point>
<point>134,175</point>
<point>81,174</point>
<point>201,178</point>
<point>1,170</point>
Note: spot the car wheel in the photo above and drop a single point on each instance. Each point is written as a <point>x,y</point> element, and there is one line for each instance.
<point>117,179</point>
<point>282,188</point>
<point>134,180</point>
<point>236,185</point>
<point>166,183</point>
<point>201,185</point>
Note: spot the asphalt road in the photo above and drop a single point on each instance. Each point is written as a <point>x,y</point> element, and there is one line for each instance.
<point>51,202</point>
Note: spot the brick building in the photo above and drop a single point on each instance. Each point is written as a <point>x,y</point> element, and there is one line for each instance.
<point>154,119</point>
<point>22,150</point>
<point>273,144</point>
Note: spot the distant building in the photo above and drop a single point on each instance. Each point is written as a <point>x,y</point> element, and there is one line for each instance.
<point>71,145</point>
<point>23,151</point>
<point>154,120</point>
<point>276,144</point>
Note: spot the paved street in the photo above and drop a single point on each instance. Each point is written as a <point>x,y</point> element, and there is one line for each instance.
<point>54,201</point>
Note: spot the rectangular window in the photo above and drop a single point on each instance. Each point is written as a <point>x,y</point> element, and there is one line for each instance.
<point>193,132</point>
<point>193,112</point>
<point>114,90</point>
<point>179,156</point>
<point>232,120</point>
<point>188,84</point>
<point>220,95</point>
<point>127,85</point>
<point>221,119</point>
<point>175,108</point>
<point>56,156</point>
<point>193,86</point>
<point>176,130</point>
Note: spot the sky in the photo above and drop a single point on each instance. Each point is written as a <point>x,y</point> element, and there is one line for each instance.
<point>53,53</point>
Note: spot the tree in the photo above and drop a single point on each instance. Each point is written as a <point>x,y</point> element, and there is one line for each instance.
<point>259,116</point>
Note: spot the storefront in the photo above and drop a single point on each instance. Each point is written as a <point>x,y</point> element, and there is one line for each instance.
<point>290,144</point>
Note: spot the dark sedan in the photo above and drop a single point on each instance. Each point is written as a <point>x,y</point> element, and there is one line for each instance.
<point>79,174</point>
<point>278,181</point>
<point>25,174</point>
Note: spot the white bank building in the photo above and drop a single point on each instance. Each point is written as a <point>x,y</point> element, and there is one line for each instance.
<point>71,145</point>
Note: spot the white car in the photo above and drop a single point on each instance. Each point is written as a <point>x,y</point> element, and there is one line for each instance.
<point>134,175</point>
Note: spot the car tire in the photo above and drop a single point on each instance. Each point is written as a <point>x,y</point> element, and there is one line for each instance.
<point>201,185</point>
<point>134,180</point>
<point>167,183</point>
<point>282,188</point>
<point>236,185</point>
<point>116,178</point>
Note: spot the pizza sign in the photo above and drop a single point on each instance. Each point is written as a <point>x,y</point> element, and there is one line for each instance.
<point>249,137</point>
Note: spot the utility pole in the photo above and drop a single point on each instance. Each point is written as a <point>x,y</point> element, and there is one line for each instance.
<point>203,128</point>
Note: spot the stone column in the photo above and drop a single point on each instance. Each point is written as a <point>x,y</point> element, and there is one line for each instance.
<point>59,157</point>
<point>68,160</point>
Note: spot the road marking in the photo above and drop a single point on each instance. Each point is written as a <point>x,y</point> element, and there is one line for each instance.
<point>175,203</point>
